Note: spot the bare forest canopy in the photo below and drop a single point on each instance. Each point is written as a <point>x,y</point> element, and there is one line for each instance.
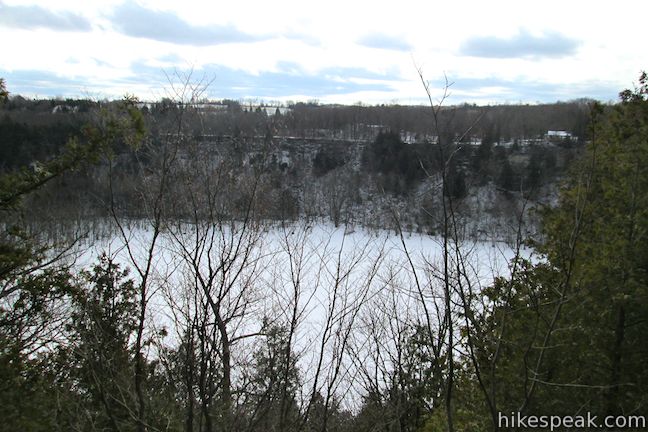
<point>500,123</point>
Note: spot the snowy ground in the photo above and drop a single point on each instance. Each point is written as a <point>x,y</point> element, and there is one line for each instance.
<point>338,281</point>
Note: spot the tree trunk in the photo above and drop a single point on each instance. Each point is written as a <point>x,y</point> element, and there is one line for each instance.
<point>226,383</point>
<point>617,356</point>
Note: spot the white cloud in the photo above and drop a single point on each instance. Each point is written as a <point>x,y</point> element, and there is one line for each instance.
<point>522,45</point>
<point>556,45</point>
<point>35,17</point>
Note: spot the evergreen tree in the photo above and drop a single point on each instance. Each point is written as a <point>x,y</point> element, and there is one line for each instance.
<point>506,179</point>
<point>567,335</point>
<point>35,285</point>
<point>4,94</point>
<point>103,321</point>
<point>607,260</point>
<point>274,383</point>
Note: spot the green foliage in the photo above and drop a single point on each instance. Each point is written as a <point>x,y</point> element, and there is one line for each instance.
<point>609,194</point>
<point>567,335</point>
<point>455,182</point>
<point>398,163</point>
<point>99,358</point>
<point>123,127</point>
<point>31,288</point>
<point>507,178</point>
<point>22,143</point>
<point>106,311</point>
<point>44,381</point>
<point>4,94</point>
<point>26,391</point>
<point>325,161</point>
<point>533,172</point>
<point>469,415</point>
<point>274,382</point>
<point>481,158</point>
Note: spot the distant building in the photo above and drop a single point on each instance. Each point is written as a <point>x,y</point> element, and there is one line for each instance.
<point>64,109</point>
<point>270,110</point>
<point>558,135</point>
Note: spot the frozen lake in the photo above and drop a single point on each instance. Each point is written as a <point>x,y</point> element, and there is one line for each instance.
<point>338,291</point>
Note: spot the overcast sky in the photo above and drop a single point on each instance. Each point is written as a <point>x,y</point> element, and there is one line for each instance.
<point>338,51</point>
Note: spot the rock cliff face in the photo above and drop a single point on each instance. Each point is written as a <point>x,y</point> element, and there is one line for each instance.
<point>377,186</point>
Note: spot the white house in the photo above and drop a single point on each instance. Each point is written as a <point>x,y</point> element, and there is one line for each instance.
<point>558,135</point>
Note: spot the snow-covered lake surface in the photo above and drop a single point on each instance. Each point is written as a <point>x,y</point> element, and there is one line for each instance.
<point>488,258</point>
<point>337,287</point>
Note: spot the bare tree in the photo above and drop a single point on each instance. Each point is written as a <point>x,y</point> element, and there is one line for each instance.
<point>346,278</point>
<point>156,166</point>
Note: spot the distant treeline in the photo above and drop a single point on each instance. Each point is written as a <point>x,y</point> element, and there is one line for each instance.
<point>345,163</point>
<point>34,128</point>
